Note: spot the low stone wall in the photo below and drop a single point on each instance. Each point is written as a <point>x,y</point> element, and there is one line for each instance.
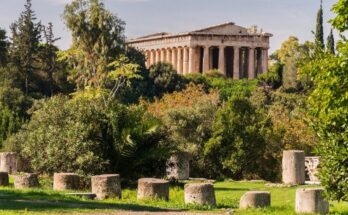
<point>8,162</point>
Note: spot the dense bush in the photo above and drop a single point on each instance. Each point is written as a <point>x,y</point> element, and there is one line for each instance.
<point>81,135</point>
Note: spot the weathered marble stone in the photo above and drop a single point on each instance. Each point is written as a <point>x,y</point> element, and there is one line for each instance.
<point>255,199</point>
<point>178,166</point>
<point>153,188</point>
<point>26,180</point>
<point>293,166</point>
<point>4,179</point>
<point>312,164</point>
<point>107,186</point>
<point>66,181</point>
<point>310,200</point>
<point>8,162</point>
<point>200,194</point>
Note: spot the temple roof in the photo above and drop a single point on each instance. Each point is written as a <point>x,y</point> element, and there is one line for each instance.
<point>227,29</point>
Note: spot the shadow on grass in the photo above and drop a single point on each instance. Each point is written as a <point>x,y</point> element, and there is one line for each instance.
<point>41,201</point>
<point>230,189</point>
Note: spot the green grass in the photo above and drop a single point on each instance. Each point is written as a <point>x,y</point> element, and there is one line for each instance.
<point>46,201</point>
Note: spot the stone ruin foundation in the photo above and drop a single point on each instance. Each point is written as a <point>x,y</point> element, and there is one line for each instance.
<point>8,162</point>
<point>312,164</point>
<point>178,166</point>
<point>66,181</point>
<point>255,199</point>
<point>26,180</point>
<point>106,186</point>
<point>310,200</point>
<point>293,166</point>
<point>153,188</point>
<point>200,194</point>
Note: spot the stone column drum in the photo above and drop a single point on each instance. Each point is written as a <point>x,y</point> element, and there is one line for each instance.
<point>106,186</point>
<point>66,181</point>
<point>310,200</point>
<point>293,166</point>
<point>200,194</point>
<point>4,179</point>
<point>178,166</point>
<point>152,188</point>
<point>255,199</point>
<point>8,162</point>
<point>26,180</point>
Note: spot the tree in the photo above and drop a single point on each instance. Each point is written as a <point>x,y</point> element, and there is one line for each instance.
<point>98,39</point>
<point>26,36</point>
<point>3,47</point>
<point>319,32</point>
<point>330,46</point>
<point>328,105</point>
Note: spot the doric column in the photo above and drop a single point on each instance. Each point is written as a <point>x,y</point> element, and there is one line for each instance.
<point>191,60</point>
<point>251,69</point>
<point>179,59</point>
<point>206,59</point>
<point>157,56</point>
<point>168,55</point>
<point>186,60</point>
<point>163,55</point>
<point>222,63</point>
<point>236,69</point>
<point>152,57</point>
<point>264,60</point>
<point>174,58</point>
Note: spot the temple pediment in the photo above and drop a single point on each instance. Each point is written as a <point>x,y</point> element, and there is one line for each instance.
<point>225,29</point>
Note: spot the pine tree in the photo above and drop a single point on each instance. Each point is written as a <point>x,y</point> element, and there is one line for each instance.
<point>330,46</point>
<point>26,36</point>
<point>319,33</point>
<point>3,47</point>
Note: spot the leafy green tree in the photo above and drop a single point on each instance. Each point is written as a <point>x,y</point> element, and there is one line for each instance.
<point>328,104</point>
<point>10,123</point>
<point>98,39</point>
<point>237,144</point>
<point>26,36</point>
<point>330,46</point>
<point>319,32</point>
<point>4,44</point>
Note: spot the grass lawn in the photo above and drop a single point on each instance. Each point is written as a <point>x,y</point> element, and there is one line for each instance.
<point>46,201</point>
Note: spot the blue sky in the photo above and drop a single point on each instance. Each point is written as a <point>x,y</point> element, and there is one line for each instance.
<point>279,17</point>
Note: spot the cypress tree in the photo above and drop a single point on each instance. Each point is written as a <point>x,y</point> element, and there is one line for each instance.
<point>26,36</point>
<point>330,46</point>
<point>3,47</point>
<point>319,33</point>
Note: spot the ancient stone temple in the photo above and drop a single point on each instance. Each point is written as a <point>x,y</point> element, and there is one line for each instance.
<point>235,51</point>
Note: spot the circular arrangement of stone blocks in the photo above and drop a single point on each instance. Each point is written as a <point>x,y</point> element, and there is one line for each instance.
<point>255,199</point>
<point>8,162</point>
<point>153,188</point>
<point>310,200</point>
<point>106,186</point>
<point>178,166</point>
<point>200,194</point>
<point>66,181</point>
<point>26,180</point>
<point>4,180</point>
<point>293,166</point>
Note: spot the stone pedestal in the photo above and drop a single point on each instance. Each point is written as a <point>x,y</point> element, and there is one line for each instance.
<point>106,186</point>
<point>312,164</point>
<point>4,179</point>
<point>26,180</point>
<point>255,199</point>
<point>66,181</point>
<point>178,166</point>
<point>310,200</point>
<point>200,194</point>
<point>152,188</point>
<point>293,166</point>
<point>8,162</point>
